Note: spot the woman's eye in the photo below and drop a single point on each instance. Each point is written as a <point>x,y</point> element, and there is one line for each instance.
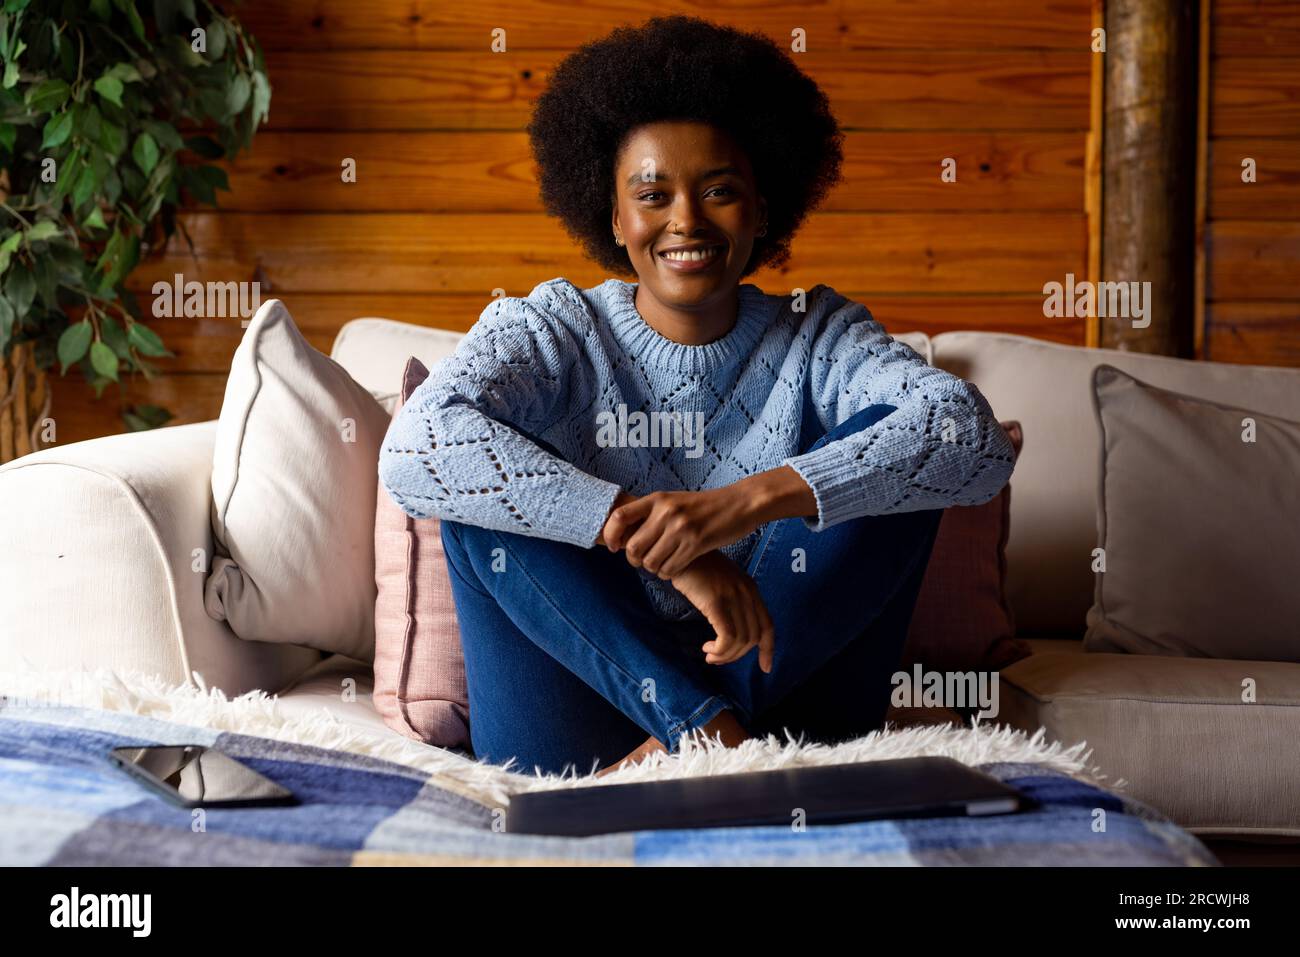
<point>648,197</point>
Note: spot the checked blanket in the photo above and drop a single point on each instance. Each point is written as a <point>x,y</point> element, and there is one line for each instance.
<point>63,803</point>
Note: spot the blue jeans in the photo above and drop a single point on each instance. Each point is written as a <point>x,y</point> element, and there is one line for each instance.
<point>567,663</point>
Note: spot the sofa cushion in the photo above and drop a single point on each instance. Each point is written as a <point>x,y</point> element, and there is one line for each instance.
<point>1200,507</point>
<point>962,620</point>
<point>420,687</point>
<point>1217,736</point>
<point>104,547</point>
<point>1047,386</point>
<point>375,351</point>
<point>293,487</point>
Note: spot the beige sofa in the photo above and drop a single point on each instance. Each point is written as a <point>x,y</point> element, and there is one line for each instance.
<point>107,542</point>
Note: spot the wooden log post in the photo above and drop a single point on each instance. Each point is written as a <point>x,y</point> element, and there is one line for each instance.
<point>1149,170</point>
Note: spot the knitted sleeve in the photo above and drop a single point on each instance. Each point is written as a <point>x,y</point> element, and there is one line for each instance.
<point>455,451</point>
<point>940,446</point>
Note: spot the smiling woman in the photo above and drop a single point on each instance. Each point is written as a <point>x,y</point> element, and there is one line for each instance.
<point>700,136</point>
<point>796,520</point>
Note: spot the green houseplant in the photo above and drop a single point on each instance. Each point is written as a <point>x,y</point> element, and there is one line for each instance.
<point>111,113</point>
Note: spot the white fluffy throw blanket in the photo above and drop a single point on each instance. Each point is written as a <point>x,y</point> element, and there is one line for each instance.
<point>259,714</point>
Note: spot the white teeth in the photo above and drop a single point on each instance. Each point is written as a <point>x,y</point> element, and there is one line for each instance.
<point>692,255</point>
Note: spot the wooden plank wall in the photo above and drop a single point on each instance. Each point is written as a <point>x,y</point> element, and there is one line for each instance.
<point>1252,230</point>
<point>445,208</point>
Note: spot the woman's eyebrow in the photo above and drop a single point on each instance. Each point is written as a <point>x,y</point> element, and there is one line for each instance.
<point>635,178</point>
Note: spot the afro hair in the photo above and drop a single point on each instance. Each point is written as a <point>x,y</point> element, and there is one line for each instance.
<point>682,68</point>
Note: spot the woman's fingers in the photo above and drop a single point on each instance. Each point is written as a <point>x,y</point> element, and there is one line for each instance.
<point>676,563</point>
<point>751,624</point>
<point>661,551</point>
<point>622,522</point>
<point>766,639</point>
<point>724,628</point>
<point>741,631</point>
<point>643,541</point>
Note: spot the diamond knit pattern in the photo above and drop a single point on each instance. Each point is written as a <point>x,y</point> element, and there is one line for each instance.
<point>547,365</point>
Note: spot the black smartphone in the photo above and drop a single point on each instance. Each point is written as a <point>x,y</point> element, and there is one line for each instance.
<point>194,775</point>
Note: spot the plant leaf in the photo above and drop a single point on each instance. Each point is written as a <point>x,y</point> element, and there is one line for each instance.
<point>43,229</point>
<point>84,187</point>
<point>113,138</point>
<point>47,96</point>
<point>20,290</point>
<point>214,176</point>
<point>205,146</point>
<point>57,129</point>
<point>216,39</point>
<point>110,88</point>
<point>103,360</point>
<point>261,97</point>
<point>73,343</point>
<point>6,323</point>
<point>237,94</point>
<point>149,416</point>
<point>125,72</point>
<point>165,134</point>
<point>146,340</point>
<point>145,153</point>
<point>114,336</point>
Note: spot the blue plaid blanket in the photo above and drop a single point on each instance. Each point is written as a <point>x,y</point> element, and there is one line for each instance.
<point>62,803</point>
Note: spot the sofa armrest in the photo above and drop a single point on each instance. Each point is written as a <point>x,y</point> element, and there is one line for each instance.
<point>107,546</point>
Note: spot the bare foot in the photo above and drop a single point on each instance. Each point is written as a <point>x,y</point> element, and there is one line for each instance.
<point>646,748</point>
<point>725,726</point>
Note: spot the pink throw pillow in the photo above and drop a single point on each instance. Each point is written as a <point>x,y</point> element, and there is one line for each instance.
<point>963,621</point>
<point>420,688</point>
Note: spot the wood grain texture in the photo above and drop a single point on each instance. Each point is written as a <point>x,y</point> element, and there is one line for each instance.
<point>940,90</point>
<point>433,252</point>
<point>1255,96</point>
<point>1256,333</point>
<point>487,171</point>
<point>562,24</point>
<point>1250,28</point>
<point>1275,194</point>
<point>1253,259</point>
<point>78,415</point>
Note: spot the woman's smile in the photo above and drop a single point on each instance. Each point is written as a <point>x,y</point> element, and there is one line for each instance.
<point>693,258</point>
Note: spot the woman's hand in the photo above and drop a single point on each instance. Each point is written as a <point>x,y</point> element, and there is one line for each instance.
<point>663,532</point>
<point>730,601</point>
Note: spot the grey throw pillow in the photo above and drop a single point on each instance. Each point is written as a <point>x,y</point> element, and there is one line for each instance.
<point>1199,526</point>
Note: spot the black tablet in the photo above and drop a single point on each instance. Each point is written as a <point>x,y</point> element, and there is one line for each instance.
<point>829,794</point>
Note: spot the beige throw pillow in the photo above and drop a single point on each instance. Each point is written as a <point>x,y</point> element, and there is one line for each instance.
<point>1199,521</point>
<point>293,488</point>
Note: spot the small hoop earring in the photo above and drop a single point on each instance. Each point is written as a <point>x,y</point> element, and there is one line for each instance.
<point>763,231</point>
<point>617,241</point>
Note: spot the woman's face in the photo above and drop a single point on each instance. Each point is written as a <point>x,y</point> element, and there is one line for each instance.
<point>681,183</point>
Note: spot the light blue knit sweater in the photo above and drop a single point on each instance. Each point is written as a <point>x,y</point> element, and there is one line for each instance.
<point>559,363</point>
